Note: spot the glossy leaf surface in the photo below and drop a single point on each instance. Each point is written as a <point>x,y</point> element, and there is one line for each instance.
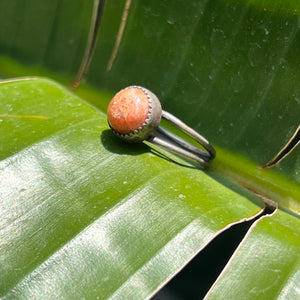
<point>229,68</point>
<point>83,214</point>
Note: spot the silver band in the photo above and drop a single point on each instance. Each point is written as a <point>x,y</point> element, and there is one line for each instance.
<point>174,143</point>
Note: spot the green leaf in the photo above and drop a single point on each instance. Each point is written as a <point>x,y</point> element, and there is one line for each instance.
<point>228,68</point>
<point>289,7</point>
<point>274,267</point>
<point>79,207</point>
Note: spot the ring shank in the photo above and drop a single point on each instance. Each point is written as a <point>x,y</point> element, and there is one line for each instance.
<point>181,146</point>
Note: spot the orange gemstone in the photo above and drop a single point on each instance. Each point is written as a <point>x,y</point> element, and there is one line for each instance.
<point>128,110</point>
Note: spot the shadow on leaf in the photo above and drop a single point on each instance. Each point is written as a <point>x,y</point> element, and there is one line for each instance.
<point>115,145</point>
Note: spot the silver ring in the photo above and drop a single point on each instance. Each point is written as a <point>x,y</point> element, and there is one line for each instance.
<point>134,115</point>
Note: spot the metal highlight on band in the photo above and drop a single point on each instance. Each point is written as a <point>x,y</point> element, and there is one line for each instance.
<point>180,145</point>
<point>134,114</point>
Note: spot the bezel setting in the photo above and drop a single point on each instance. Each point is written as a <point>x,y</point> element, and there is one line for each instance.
<point>151,123</point>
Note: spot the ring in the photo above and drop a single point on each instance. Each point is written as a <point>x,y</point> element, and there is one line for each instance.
<point>134,115</point>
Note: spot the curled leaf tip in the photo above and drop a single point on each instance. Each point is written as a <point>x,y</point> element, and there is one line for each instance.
<point>91,42</point>
<point>286,150</point>
<point>120,35</point>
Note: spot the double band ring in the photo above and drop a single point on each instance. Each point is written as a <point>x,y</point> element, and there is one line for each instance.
<point>134,115</point>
